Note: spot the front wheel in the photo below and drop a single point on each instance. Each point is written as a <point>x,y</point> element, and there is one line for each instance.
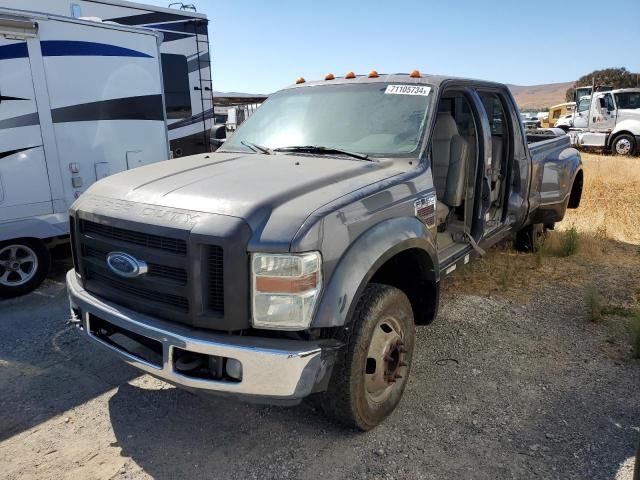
<point>371,371</point>
<point>624,144</point>
<point>23,266</point>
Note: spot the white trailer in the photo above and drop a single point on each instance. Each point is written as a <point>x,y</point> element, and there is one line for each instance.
<point>79,100</point>
<point>184,55</point>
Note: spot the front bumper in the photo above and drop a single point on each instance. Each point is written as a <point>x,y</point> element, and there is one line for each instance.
<point>273,369</point>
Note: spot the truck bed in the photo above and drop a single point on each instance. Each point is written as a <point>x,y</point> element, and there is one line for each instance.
<point>551,180</point>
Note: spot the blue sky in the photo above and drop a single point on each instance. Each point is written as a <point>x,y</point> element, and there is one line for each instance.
<point>261,46</point>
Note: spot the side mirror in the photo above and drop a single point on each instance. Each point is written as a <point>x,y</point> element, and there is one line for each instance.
<point>602,103</point>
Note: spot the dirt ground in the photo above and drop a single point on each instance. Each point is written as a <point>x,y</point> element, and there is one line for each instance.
<point>515,379</point>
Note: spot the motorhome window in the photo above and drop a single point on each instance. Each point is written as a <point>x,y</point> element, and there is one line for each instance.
<point>627,100</point>
<point>175,75</point>
<point>556,113</point>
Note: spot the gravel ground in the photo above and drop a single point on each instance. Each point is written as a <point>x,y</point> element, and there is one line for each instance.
<point>499,389</point>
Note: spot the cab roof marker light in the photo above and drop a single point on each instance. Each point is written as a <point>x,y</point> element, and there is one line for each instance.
<point>300,80</point>
<point>415,74</point>
<point>350,75</point>
<point>373,74</point>
<point>329,76</point>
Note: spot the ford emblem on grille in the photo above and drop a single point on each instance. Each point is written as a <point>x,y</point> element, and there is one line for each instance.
<point>125,265</point>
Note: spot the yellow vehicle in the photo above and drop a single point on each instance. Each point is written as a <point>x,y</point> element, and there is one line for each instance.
<point>556,112</point>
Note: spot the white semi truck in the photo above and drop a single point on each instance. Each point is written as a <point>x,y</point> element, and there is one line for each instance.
<point>608,119</point>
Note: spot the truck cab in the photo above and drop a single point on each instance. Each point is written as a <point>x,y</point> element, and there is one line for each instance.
<point>557,112</point>
<point>609,119</point>
<point>300,257</point>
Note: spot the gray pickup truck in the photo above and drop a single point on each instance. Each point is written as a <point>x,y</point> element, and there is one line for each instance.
<point>299,257</point>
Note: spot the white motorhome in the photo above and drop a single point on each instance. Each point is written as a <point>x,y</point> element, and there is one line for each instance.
<point>609,119</point>
<point>184,54</point>
<point>79,100</point>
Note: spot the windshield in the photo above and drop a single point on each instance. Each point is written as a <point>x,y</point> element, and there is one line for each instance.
<point>376,119</point>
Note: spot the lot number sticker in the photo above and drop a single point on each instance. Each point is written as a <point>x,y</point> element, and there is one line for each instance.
<point>407,90</point>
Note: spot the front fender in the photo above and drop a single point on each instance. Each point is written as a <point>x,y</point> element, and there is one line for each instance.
<point>361,261</point>
<point>625,126</point>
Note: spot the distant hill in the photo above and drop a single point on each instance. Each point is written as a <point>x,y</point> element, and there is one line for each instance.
<point>236,94</point>
<point>540,96</point>
<point>527,96</point>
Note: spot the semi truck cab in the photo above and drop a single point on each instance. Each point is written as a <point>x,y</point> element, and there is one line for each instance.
<point>609,119</point>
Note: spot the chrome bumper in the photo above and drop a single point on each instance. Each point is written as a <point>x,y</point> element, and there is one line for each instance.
<point>271,368</point>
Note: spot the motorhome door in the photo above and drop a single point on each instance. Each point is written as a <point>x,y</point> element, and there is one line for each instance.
<point>24,182</point>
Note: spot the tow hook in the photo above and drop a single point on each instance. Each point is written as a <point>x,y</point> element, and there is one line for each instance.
<point>74,318</point>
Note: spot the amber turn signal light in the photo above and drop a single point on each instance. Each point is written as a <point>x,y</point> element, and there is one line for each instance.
<point>415,74</point>
<point>300,80</point>
<point>373,74</point>
<point>287,284</point>
<point>350,75</point>
<point>329,76</point>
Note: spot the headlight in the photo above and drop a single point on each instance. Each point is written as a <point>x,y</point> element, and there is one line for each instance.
<point>285,289</point>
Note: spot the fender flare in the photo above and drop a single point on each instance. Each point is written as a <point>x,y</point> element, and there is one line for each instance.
<point>362,259</point>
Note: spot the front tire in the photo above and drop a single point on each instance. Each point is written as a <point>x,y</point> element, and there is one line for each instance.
<point>624,144</point>
<point>371,372</point>
<point>24,264</point>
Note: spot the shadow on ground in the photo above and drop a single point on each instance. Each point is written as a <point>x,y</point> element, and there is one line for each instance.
<point>525,392</point>
<point>46,368</point>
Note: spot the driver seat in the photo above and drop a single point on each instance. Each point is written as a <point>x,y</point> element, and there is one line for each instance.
<point>449,163</point>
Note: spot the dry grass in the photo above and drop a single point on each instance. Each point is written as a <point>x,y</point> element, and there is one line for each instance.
<point>610,205</point>
<point>595,250</point>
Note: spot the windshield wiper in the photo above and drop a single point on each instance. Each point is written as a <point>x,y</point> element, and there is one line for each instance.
<point>321,150</point>
<point>255,147</point>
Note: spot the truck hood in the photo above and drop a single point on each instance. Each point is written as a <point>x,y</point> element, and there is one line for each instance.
<point>274,194</point>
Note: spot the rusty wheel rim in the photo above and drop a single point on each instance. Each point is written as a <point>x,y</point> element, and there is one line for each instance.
<point>386,362</point>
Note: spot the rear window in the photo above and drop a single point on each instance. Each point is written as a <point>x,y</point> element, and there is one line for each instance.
<point>175,75</point>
